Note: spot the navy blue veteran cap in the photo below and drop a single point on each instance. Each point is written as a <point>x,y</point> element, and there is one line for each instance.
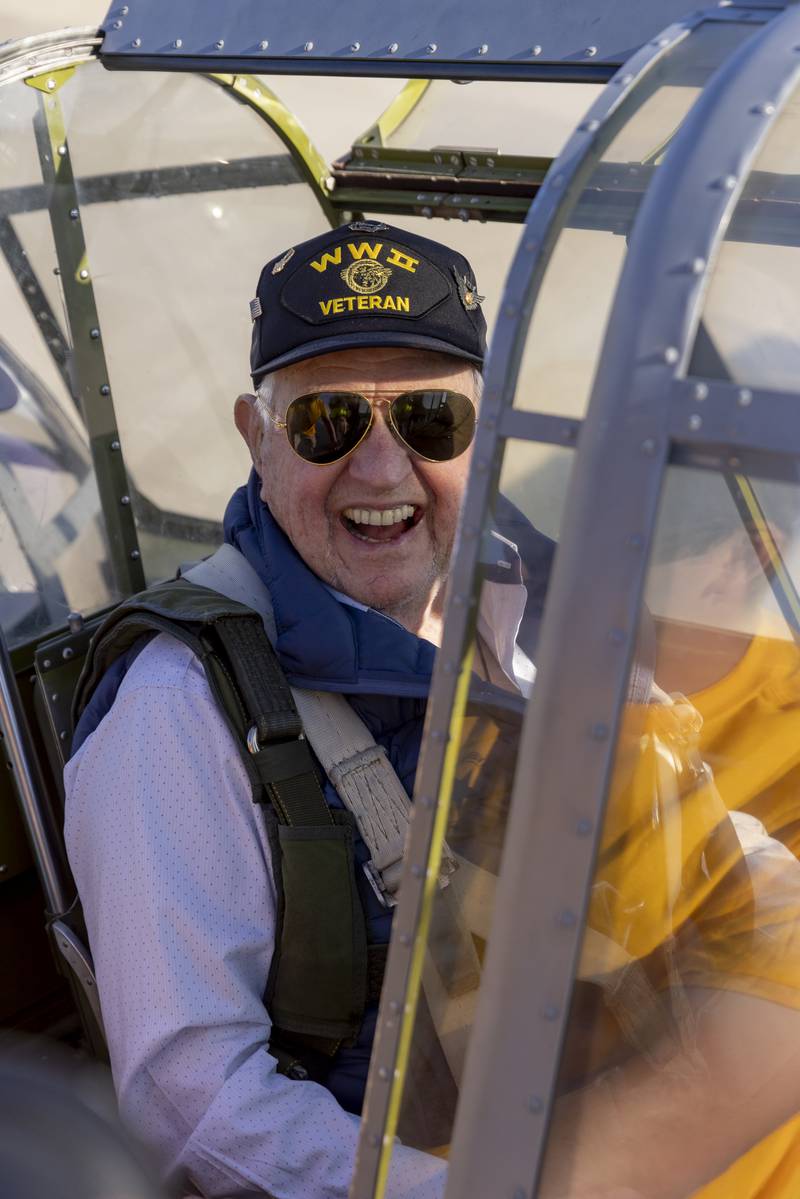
<point>365,284</point>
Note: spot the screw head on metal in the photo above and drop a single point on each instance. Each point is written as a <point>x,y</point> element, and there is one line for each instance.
<point>264,45</point>
<point>136,43</point>
<point>590,51</point>
<point>695,422</point>
<point>116,25</point>
<point>355,47</point>
<point>536,51</point>
<point>177,43</point>
<point>671,355</point>
<point>62,150</point>
<point>114,446</point>
<point>701,392</point>
<point>432,47</point>
<point>763,110</point>
<point>220,45</point>
<point>68,653</point>
<point>697,266</point>
<point>105,390</point>
<point>46,664</point>
<point>745,398</point>
<point>135,555</point>
<point>83,273</point>
<point>728,183</point>
<point>383,1074</point>
<point>308,47</point>
<point>483,49</point>
<point>73,214</point>
<point>125,500</point>
<point>51,83</point>
<point>590,126</point>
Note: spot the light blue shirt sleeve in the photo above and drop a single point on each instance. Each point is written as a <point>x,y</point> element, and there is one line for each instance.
<point>171,859</point>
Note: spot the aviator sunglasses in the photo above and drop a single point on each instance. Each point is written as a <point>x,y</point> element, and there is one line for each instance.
<point>326,426</point>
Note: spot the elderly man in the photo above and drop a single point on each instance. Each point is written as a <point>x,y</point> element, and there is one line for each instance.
<point>367,347</point>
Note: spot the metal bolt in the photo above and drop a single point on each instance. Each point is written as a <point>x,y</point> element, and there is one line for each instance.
<point>383,1074</point>
<point>62,150</point>
<point>135,555</point>
<point>114,446</point>
<point>308,47</point>
<point>83,273</point>
<point>117,25</point>
<point>671,355</point>
<point>701,391</point>
<point>763,110</point>
<point>728,183</point>
<point>745,398</point>
<point>600,732</point>
<point>427,212</point>
<point>697,266</point>
<point>490,162</point>
<point>62,736</point>
<point>463,215</point>
<point>67,653</point>
<point>51,83</point>
<point>73,214</point>
<point>46,664</point>
<point>483,49</point>
<point>94,334</point>
<point>355,47</point>
<point>695,422</point>
<point>590,126</point>
<point>536,51</point>
<point>263,45</point>
<point>624,80</point>
<point>125,500</point>
<point>178,43</point>
<point>54,697</point>
<point>105,390</point>
<point>75,622</point>
<point>662,42</point>
<point>220,45</point>
<point>648,446</point>
<point>432,47</point>
<point>125,10</point>
<point>136,43</point>
<point>590,51</point>
<point>393,48</point>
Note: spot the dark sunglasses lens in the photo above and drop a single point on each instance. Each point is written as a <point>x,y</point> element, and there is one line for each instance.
<point>325,426</point>
<point>438,425</point>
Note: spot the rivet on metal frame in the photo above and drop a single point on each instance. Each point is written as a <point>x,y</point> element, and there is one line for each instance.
<point>75,622</point>
<point>125,500</point>
<point>68,653</point>
<point>463,215</point>
<point>62,150</point>
<point>393,48</point>
<point>483,49</point>
<point>590,51</point>
<point>83,273</point>
<point>695,422</point>
<point>745,398</point>
<point>73,214</point>
<point>697,266</point>
<point>426,212</point>
<point>308,47</point>
<point>671,355</point>
<point>590,126</point>
<point>116,25</point>
<point>701,391</point>
<point>383,1074</point>
<point>46,664</point>
<point>135,555</point>
<point>263,45</point>
<point>177,43</point>
<point>355,47</point>
<point>114,447</point>
<point>94,334</point>
<point>220,45</point>
<point>51,83</point>
<point>105,390</point>
<point>432,47</point>
<point>136,43</point>
<point>536,51</point>
<point>727,183</point>
<point>125,10</point>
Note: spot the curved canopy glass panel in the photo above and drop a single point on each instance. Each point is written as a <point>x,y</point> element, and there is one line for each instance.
<point>748,331</point>
<point>686,1007</point>
<point>581,277</point>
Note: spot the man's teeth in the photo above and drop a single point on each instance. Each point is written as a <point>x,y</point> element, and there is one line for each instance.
<point>379,516</point>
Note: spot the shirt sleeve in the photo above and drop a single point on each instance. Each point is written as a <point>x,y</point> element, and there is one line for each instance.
<point>171,861</point>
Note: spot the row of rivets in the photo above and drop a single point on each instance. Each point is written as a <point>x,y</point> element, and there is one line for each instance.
<point>431,48</point>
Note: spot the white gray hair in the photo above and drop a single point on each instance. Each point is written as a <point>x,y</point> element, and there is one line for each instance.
<point>263,401</point>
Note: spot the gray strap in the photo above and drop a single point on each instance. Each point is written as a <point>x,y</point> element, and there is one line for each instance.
<point>358,768</point>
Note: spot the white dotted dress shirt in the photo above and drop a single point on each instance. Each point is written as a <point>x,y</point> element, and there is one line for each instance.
<point>172,863</point>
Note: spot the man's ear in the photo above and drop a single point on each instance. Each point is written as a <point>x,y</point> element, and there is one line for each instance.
<point>248,422</point>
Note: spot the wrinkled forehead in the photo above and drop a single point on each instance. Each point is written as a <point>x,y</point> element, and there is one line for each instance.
<point>374,370</point>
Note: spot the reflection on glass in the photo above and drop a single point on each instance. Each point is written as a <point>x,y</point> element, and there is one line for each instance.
<point>685,1017</point>
<point>580,281</point>
<point>53,553</point>
<point>516,562</point>
<point>748,332</point>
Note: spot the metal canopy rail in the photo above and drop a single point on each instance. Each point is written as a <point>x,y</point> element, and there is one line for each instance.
<point>511,39</point>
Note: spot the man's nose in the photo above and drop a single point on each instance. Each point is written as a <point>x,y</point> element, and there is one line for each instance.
<point>380,460</point>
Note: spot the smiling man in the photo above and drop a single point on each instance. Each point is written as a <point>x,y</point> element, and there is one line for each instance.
<point>366,352</point>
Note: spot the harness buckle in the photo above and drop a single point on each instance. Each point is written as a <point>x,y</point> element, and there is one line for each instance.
<point>375,880</point>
